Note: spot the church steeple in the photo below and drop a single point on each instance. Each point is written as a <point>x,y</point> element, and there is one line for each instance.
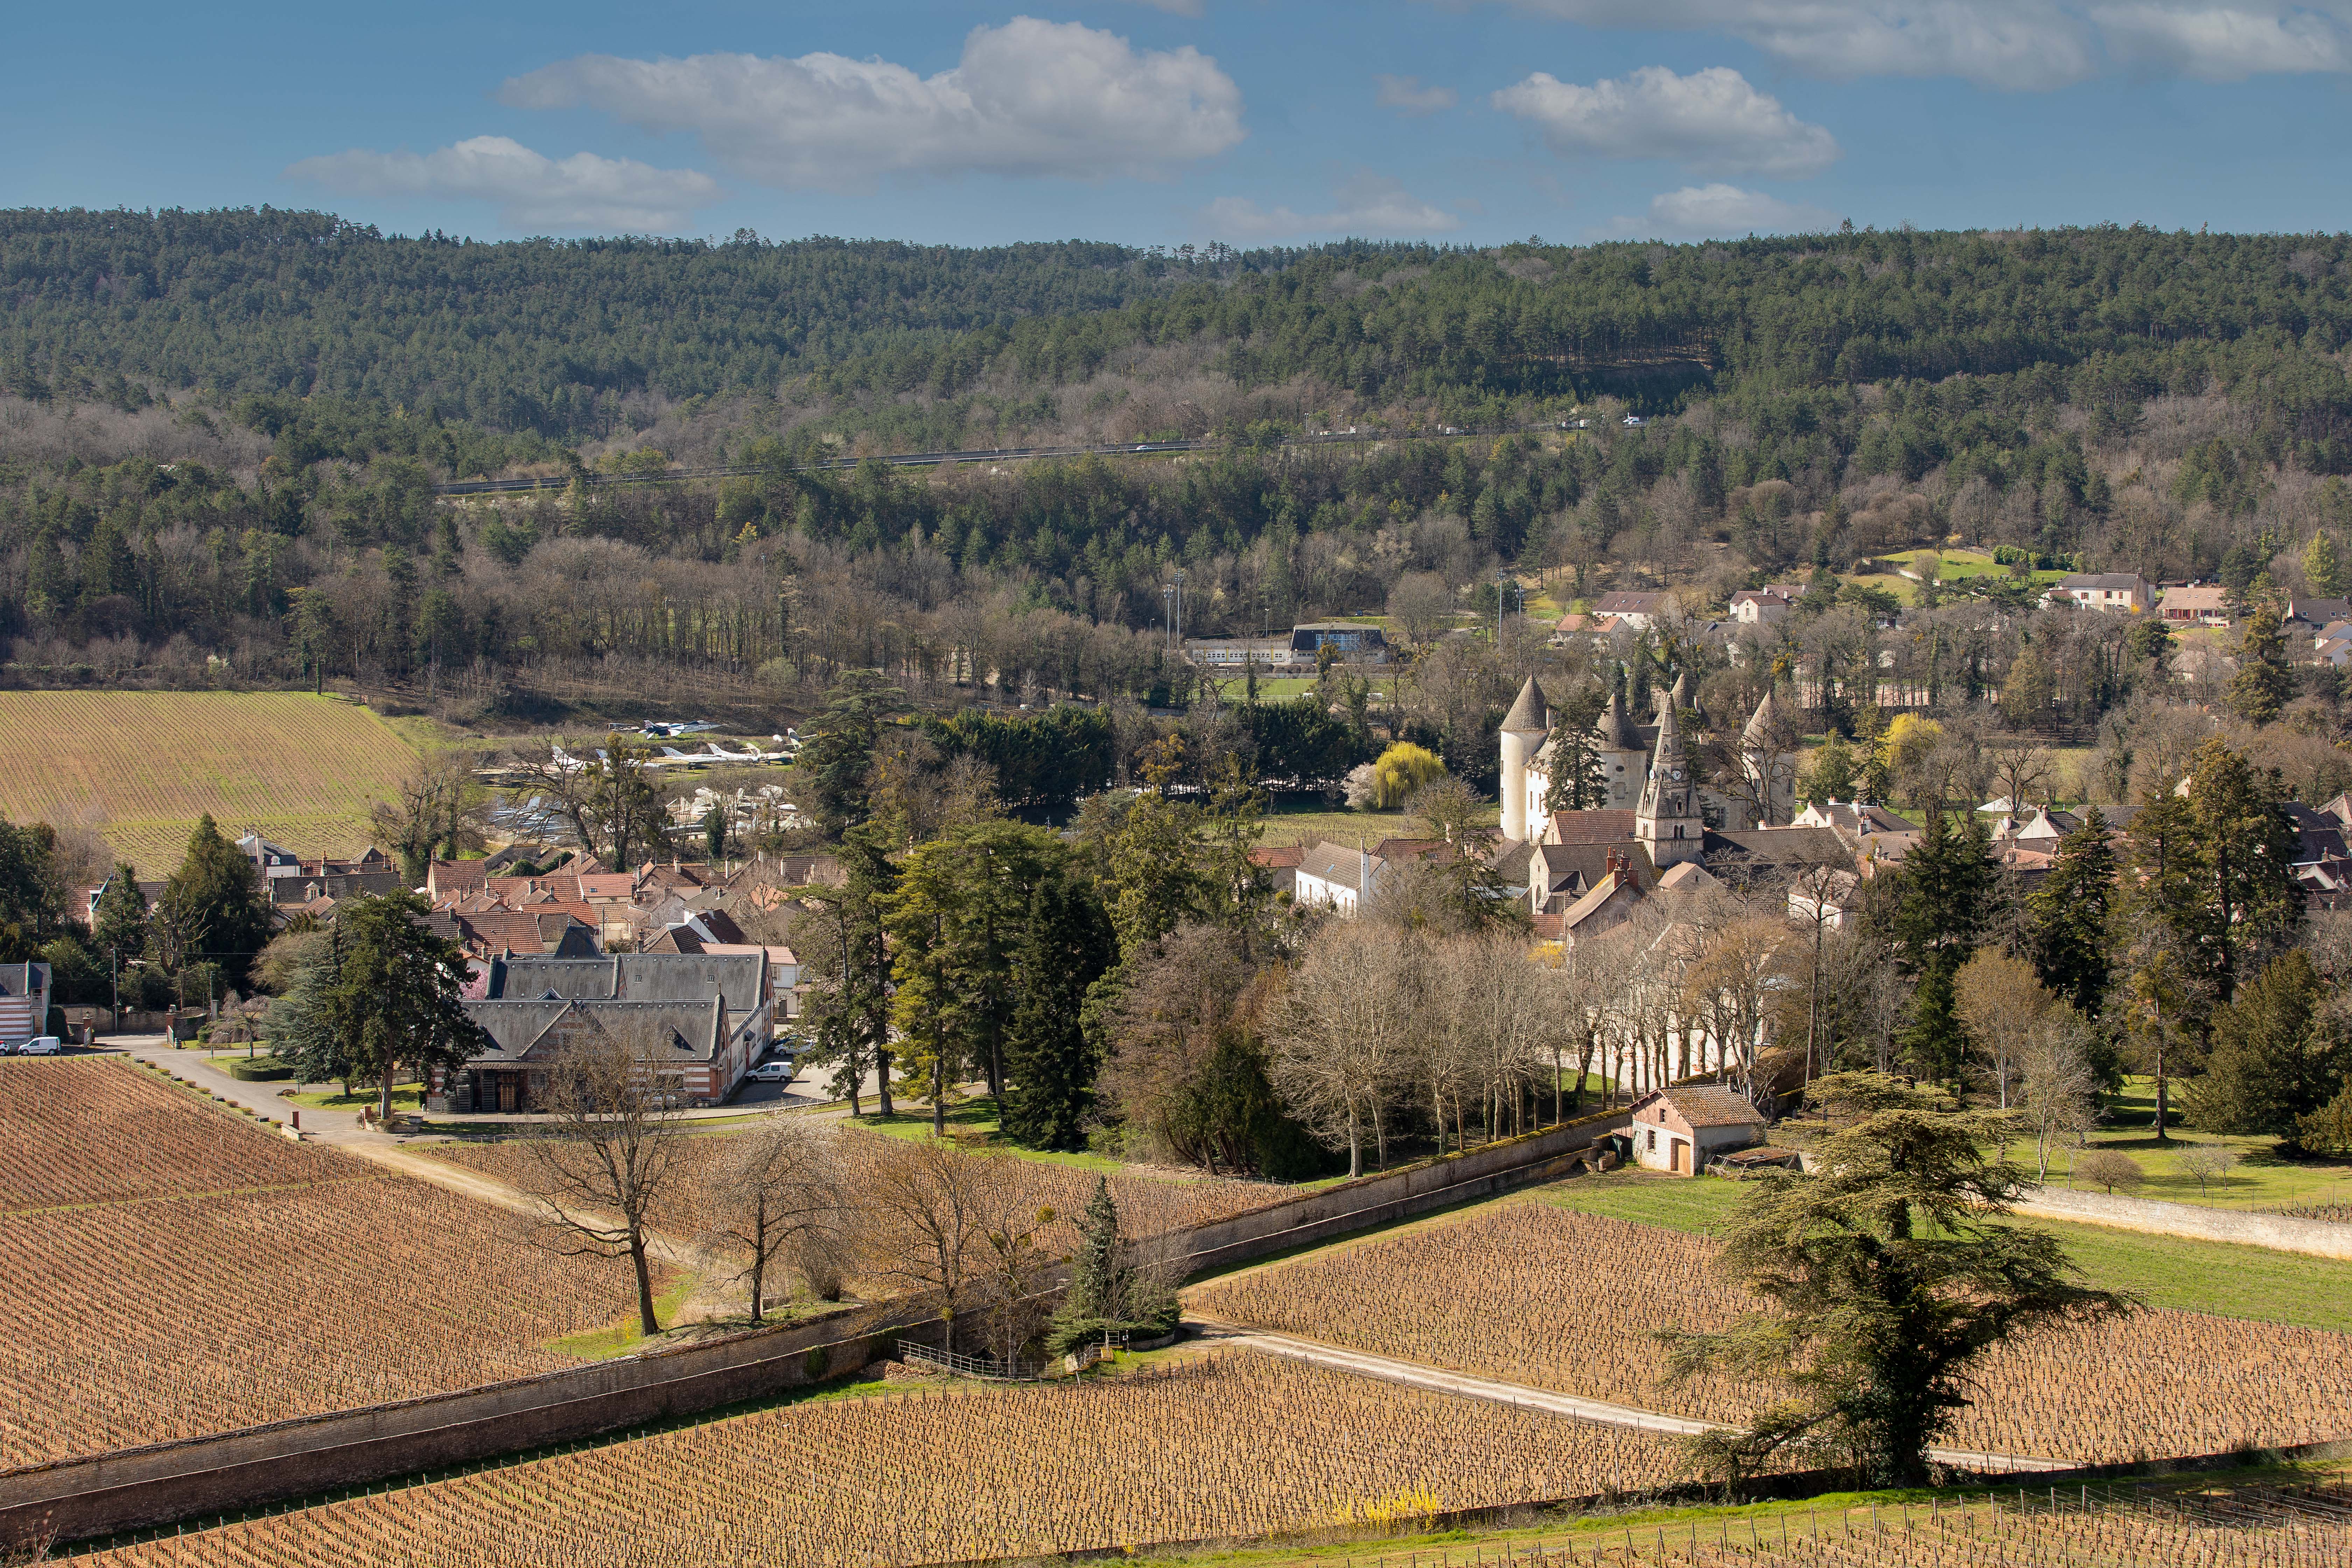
<point>1667,821</point>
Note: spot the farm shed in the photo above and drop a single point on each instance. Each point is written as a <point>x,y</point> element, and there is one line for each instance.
<point>1669,1124</point>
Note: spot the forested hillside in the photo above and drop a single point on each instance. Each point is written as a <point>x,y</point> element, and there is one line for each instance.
<point>543,336</point>
<point>224,430</point>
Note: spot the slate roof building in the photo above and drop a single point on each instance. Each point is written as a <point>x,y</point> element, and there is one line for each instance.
<point>695,1021</point>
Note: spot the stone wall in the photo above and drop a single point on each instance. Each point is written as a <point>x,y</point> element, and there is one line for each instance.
<point>2317,1238</point>
<point>225,1473</point>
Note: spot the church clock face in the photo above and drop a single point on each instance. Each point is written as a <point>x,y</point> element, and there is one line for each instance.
<point>1678,775</point>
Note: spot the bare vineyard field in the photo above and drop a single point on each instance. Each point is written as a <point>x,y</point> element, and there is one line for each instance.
<point>1148,1206</point>
<point>1533,1294</point>
<point>1232,1445</point>
<point>2070,1527</point>
<point>303,769</point>
<point>97,1130</point>
<point>172,1270</point>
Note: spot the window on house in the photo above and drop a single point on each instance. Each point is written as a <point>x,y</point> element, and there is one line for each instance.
<point>1653,1144</point>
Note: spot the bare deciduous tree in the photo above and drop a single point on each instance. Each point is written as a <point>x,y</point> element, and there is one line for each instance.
<point>2001,1002</point>
<point>2204,1163</point>
<point>1341,1037</point>
<point>612,1152</point>
<point>2059,1093</point>
<point>777,1193</point>
<point>922,1219</point>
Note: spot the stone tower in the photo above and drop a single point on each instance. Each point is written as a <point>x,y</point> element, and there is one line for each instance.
<point>1763,756</point>
<point>1667,821</point>
<point>1524,729</point>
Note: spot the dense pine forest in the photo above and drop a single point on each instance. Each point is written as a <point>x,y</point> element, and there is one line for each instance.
<point>220,432</point>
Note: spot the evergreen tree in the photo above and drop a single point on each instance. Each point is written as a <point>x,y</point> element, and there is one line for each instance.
<point>1946,902</point>
<point>32,892</point>
<point>1578,781</point>
<point>2264,680</point>
<point>2273,1059</point>
<point>213,908</point>
<point>1883,1280</point>
<point>2247,900</point>
<point>840,747</point>
<point>121,927</point>
<point>2067,935</point>
<point>2322,568</point>
<point>842,941</point>
<point>395,1000</point>
<point>1050,1066</point>
<point>301,1030</point>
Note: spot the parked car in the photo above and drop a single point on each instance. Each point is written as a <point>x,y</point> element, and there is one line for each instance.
<point>42,1046</point>
<point>777,1070</point>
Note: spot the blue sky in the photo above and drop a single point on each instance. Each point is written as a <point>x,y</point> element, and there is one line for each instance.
<point>1164,122</point>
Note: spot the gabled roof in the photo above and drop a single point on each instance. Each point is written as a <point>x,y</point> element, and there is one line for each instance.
<point>1690,877</point>
<point>1629,602</point>
<point>1704,1105</point>
<point>1609,826</point>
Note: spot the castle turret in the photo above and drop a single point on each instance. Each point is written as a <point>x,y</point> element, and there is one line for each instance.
<point>1667,821</point>
<point>1764,757</point>
<point>1524,729</point>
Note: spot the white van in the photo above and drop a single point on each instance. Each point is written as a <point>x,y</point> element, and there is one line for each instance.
<point>41,1046</point>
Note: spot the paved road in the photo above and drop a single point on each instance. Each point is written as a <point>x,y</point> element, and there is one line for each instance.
<point>1416,1376</point>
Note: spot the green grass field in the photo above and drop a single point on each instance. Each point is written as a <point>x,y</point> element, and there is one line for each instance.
<point>140,767</point>
<point>2227,1281</point>
<point>1311,825</point>
<point>2262,1178</point>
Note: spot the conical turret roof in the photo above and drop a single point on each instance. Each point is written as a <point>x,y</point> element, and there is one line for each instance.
<point>1765,717</point>
<point>1617,732</point>
<point>1531,714</point>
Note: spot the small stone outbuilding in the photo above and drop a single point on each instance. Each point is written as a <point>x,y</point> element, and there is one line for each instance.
<point>1680,1130</point>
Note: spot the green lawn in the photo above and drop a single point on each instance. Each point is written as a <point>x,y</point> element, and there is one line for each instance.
<point>1310,826</point>
<point>979,1117</point>
<point>620,1337</point>
<point>2262,1179</point>
<point>2228,1280</point>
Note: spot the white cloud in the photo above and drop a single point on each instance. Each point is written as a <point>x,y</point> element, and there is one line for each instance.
<point>1715,211</point>
<point>2019,44</point>
<point>1711,120</point>
<point>1368,204</point>
<point>2222,43</point>
<point>1028,98</point>
<point>1406,94</point>
<point>2015,44</point>
<point>532,191</point>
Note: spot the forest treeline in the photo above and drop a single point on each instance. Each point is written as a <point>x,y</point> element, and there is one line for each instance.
<point>209,469</point>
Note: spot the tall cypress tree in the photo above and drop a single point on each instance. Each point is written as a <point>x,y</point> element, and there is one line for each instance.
<point>1050,1065</point>
<point>1947,899</point>
<point>2067,935</point>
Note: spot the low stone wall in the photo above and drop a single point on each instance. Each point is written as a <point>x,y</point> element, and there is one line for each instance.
<point>133,1488</point>
<point>2317,1238</point>
<point>201,1477</point>
<point>1398,1194</point>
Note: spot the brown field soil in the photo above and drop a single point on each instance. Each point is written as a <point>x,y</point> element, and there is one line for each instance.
<point>140,767</point>
<point>158,1138</point>
<point>1529,1293</point>
<point>1227,1445</point>
<point>174,1270</point>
